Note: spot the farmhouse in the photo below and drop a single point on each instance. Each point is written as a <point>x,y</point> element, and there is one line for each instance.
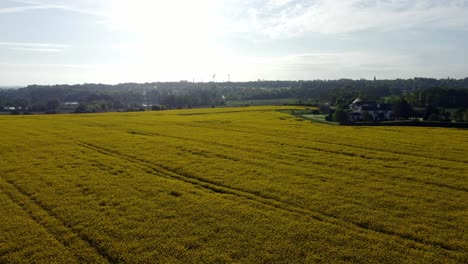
<point>369,111</point>
<point>69,104</point>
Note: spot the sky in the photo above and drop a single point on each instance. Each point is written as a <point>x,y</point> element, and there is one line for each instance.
<point>116,41</point>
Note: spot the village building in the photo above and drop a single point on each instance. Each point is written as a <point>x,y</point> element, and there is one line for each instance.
<point>361,110</point>
<point>70,104</point>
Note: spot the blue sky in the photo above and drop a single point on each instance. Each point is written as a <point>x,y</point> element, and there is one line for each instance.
<point>113,41</point>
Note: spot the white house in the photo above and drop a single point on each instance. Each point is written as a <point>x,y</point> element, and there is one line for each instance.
<point>70,104</point>
<point>375,111</point>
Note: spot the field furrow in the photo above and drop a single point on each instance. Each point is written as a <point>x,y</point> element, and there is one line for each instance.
<point>228,185</point>
<point>83,249</point>
<point>277,136</point>
<point>291,157</point>
<point>162,170</point>
<point>406,190</point>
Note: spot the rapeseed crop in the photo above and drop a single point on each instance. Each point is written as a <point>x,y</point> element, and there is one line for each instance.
<point>229,185</point>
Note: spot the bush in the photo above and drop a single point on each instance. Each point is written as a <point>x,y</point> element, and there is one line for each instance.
<point>158,107</point>
<point>341,116</point>
<point>433,117</point>
<point>459,115</point>
<point>324,109</point>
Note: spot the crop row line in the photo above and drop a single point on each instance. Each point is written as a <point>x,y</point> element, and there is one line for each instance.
<point>224,112</point>
<point>306,139</point>
<point>283,160</point>
<point>78,244</point>
<point>326,142</point>
<point>161,170</point>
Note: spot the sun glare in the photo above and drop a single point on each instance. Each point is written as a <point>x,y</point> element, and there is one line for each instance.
<point>169,36</point>
<point>163,18</point>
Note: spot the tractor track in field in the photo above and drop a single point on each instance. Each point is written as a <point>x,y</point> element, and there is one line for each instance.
<point>164,171</point>
<point>64,229</point>
<point>326,143</point>
<point>281,159</point>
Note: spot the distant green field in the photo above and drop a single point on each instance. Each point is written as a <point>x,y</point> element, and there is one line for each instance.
<point>262,102</point>
<point>229,185</point>
<point>319,119</point>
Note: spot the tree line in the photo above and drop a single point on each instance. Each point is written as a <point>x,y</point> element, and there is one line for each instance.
<point>419,92</point>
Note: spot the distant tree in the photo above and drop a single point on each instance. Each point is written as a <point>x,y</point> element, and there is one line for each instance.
<point>38,107</point>
<point>446,116</point>
<point>157,107</point>
<point>434,117</point>
<point>443,97</point>
<point>84,108</point>
<point>430,111</point>
<point>395,91</point>
<point>21,103</point>
<point>341,116</point>
<point>402,109</point>
<point>459,114</point>
<point>15,112</point>
<point>392,99</point>
<point>53,104</point>
<point>98,97</point>
<point>324,109</point>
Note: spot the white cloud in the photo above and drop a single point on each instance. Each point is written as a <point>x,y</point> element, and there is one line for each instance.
<point>34,44</point>
<point>83,6</point>
<point>291,18</point>
<point>274,18</point>
<point>34,47</point>
<point>159,19</point>
<point>185,39</point>
<point>17,9</point>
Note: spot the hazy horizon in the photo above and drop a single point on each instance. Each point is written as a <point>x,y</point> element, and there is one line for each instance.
<point>208,82</point>
<point>50,42</point>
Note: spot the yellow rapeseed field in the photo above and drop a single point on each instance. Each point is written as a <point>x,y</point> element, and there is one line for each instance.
<point>243,185</point>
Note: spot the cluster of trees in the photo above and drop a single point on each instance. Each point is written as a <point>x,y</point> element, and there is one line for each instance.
<point>448,98</point>
<point>99,98</point>
<point>402,110</point>
<point>418,92</point>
